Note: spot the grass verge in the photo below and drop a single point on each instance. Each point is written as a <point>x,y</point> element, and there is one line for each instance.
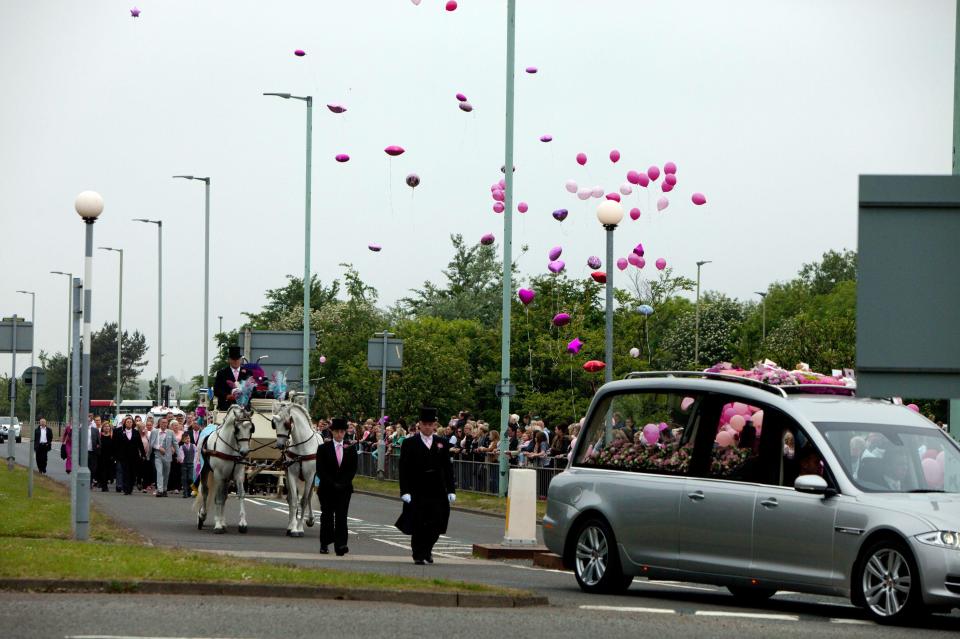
<point>35,533</point>
<point>465,498</point>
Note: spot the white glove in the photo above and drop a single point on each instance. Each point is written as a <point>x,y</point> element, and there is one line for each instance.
<point>405,498</point>
<point>451,497</point>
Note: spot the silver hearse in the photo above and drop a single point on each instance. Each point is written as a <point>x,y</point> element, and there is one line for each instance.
<point>707,478</point>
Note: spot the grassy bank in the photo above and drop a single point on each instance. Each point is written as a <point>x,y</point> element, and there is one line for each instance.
<point>465,498</point>
<point>36,536</point>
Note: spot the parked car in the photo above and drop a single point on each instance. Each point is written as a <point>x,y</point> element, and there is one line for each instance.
<point>5,428</point>
<point>761,488</point>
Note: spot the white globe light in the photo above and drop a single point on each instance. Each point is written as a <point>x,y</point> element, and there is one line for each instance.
<point>610,213</point>
<point>89,205</point>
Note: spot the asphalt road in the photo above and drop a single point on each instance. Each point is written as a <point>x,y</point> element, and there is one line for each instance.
<point>668,608</point>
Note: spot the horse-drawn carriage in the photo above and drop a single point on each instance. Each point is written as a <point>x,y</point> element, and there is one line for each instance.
<point>264,443</point>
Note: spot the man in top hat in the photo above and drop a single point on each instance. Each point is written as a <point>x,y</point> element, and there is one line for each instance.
<point>228,378</point>
<point>336,467</point>
<point>426,487</point>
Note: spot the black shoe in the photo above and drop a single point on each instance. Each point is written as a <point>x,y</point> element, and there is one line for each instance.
<point>430,558</point>
<point>342,551</point>
<point>324,550</point>
<point>419,562</point>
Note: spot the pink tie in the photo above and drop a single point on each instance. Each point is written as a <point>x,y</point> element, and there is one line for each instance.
<point>339,455</point>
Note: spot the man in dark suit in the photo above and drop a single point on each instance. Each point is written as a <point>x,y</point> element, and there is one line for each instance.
<point>42,443</point>
<point>228,378</point>
<point>337,466</point>
<point>426,487</point>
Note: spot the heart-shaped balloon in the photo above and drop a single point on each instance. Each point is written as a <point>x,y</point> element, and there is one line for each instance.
<point>555,253</point>
<point>556,266</point>
<point>662,203</point>
<point>560,215</point>
<point>526,295</point>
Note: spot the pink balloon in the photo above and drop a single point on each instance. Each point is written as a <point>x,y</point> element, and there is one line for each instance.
<point>737,422</point>
<point>758,419</point>
<point>461,97</point>
<point>641,263</point>
<point>531,70</point>
<point>581,158</point>
<point>342,157</point>
<point>555,253</point>
<point>594,262</point>
<point>669,168</point>
<point>614,156</point>
<point>633,177</point>
<point>374,247</point>
<point>499,195</point>
<point>336,108</point>
<point>546,138</point>
<point>653,173</point>
<point>498,207</point>
<point>643,180</point>
<point>626,189</point>
<point>466,107</point>
<point>651,433</point>
<point>622,263</point>
<point>914,408</point>
<point>698,199</point>
<point>634,259</point>
<point>451,5</point>
<point>740,408</point>
<point>634,214</point>
<point>932,473</point>
<point>323,359</point>
<point>584,193</point>
<point>526,295</point>
<point>662,203</point>
<point>670,179</point>
<point>613,196</point>
<point>666,187</point>
<point>487,239</point>
<point>724,439</point>
<point>686,403</point>
<point>522,207</point>
<point>556,266</point>
<point>931,453</point>
<point>502,183</point>
<point>727,414</point>
<point>571,186</point>
<point>597,191</point>
<point>661,263</point>
<point>393,150</point>
<point>299,53</point>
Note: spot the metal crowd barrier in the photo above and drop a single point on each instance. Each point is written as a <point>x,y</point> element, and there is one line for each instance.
<point>476,476</point>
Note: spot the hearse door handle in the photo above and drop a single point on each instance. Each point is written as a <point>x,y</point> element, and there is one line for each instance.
<point>770,503</point>
<point>697,495</point>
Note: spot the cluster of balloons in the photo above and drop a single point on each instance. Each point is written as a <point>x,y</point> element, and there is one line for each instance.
<point>464,104</point>
<point>651,432</point>
<point>733,419</point>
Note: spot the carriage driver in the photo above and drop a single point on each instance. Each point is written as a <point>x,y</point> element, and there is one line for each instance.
<point>228,378</point>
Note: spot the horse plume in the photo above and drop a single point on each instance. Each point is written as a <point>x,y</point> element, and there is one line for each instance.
<point>244,391</point>
<point>278,386</point>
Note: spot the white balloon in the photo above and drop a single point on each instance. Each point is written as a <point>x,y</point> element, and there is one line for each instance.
<point>626,189</point>
<point>598,191</point>
<point>584,193</point>
<point>415,2</point>
<point>571,185</point>
<point>634,352</point>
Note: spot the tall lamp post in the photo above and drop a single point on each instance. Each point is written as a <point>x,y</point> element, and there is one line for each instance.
<point>206,274</point>
<point>89,205</point>
<point>66,416</point>
<point>696,339</point>
<point>159,224</point>
<point>763,303</point>
<point>220,317</point>
<point>307,282</point>
<point>609,214</point>
<point>33,388</point>
<point>119,324</point>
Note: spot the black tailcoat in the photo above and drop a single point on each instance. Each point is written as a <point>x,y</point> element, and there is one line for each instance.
<point>427,476</point>
<point>222,386</point>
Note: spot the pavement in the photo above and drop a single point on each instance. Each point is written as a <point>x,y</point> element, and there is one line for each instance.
<point>665,608</point>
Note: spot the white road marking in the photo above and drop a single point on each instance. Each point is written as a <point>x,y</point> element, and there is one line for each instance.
<point>663,611</point>
<point>746,615</point>
<point>852,622</point>
<point>135,637</point>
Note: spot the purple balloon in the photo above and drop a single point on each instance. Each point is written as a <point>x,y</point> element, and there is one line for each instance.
<point>556,266</point>
<point>466,106</point>
<point>487,239</point>
<point>574,346</point>
<point>135,13</point>
<point>526,295</point>
<point>531,70</point>
<point>560,215</point>
<point>299,52</point>
<point>461,97</point>
<point>546,138</point>
<point>374,247</point>
<point>336,108</point>
<point>342,157</point>
<point>594,262</point>
<point>622,263</point>
<point>638,250</point>
<point>555,253</point>
<point>561,319</point>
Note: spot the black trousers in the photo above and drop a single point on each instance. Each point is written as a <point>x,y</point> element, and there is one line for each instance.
<point>422,541</point>
<point>42,457</point>
<point>92,457</point>
<point>129,474</point>
<point>334,505</point>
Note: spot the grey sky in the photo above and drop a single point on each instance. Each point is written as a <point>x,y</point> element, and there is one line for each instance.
<point>770,108</point>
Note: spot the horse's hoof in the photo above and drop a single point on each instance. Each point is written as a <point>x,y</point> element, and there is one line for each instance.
<point>219,531</point>
<point>290,533</point>
<point>242,530</point>
<point>298,534</point>
<point>199,523</point>
<point>309,523</point>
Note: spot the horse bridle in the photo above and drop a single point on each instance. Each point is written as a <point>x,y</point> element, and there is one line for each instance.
<point>236,434</point>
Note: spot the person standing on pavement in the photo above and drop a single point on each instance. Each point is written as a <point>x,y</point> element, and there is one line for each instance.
<point>186,456</point>
<point>66,448</point>
<point>42,443</point>
<point>163,446</point>
<point>105,464</point>
<point>336,467</point>
<point>426,487</point>
<point>128,448</point>
<point>93,449</point>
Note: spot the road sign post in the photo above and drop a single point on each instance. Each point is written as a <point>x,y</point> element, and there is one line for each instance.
<point>11,342</point>
<point>34,377</point>
<point>385,354</point>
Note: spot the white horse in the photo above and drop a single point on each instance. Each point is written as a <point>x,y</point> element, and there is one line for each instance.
<point>298,443</point>
<point>224,451</point>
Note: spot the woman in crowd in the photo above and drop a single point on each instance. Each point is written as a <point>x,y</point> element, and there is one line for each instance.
<point>541,450</point>
<point>105,462</point>
<point>66,445</point>
<point>147,472</point>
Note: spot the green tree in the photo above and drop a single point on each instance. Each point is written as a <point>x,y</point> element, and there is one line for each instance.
<point>280,301</point>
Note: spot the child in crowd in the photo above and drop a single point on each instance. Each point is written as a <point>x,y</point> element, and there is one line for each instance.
<point>185,455</point>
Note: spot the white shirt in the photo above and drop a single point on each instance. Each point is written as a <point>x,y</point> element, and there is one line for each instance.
<point>453,440</point>
<point>43,434</point>
<point>93,429</point>
<point>427,441</point>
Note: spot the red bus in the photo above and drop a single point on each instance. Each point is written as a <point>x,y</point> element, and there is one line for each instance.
<point>104,408</point>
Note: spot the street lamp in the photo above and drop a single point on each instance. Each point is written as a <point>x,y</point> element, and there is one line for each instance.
<point>66,416</point>
<point>306,239</point>
<point>206,273</point>
<point>696,339</point>
<point>609,214</point>
<point>763,297</point>
<point>119,324</point>
<point>89,205</point>
<point>159,224</point>
<point>220,317</point>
